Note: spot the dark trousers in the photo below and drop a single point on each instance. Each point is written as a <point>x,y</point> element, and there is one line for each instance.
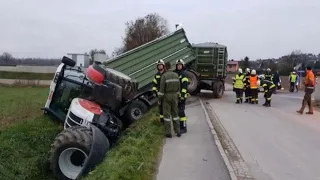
<point>247,94</point>
<point>292,84</point>
<point>160,107</point>
<point>182,115</point>
<point>239,94</point>
<point>267,96</point>
<point>254,95</point>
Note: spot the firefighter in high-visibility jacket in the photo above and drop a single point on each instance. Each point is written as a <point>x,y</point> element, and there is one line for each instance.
<point>184,81</point>
<point>238,85</point>
<point>253,79</point>
<point>168,94</point>
<point>156,85</point>
<point>269,88</point>
<point>246,84</point>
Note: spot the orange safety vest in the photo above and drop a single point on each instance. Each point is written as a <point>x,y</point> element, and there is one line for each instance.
<point>253,82</point>
<point>309,79</point>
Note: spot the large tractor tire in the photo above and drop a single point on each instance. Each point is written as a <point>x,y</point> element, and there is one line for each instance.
<point>134,112</point>
<point>129,86</point>
<point>69,151</point>
<point>217,89</point>
<point>193,87</point>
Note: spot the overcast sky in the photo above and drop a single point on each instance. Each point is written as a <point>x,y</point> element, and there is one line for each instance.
<point>254,28</point>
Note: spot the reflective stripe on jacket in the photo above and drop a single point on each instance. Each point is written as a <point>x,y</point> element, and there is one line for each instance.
<point>184,81</point>
<point>238,81</point>
<point>169,83</point>
<point>253,82</point>
<point>156,82</point>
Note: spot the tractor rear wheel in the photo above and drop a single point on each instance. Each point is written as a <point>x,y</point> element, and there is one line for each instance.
<point>69,152</point>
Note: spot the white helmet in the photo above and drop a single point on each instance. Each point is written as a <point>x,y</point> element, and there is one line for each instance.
<point>293,72</point>
<point>240,70</point>
<point>268,69</point>
<point>180,61</point>
<point>247,70</point>
<point>253,72</point>
<point>160,62</point>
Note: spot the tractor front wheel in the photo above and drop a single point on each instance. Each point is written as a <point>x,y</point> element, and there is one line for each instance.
<point>69,152</point>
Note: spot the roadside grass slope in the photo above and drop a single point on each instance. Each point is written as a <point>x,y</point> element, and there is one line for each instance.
<point>26,135</point>
<point>136,155</point>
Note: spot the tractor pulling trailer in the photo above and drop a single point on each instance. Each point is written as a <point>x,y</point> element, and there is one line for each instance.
<point>96,105</point>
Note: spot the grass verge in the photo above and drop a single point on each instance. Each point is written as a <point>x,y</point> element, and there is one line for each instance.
<point>25,135</point>
<point>26,75</point>
<point>135,157</point>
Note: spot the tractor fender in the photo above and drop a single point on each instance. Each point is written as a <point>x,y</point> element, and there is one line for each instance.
<point>99,148</point>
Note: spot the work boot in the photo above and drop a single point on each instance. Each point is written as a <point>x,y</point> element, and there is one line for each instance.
<point>241,100</point>
<point>310,110</point>
<point>168,135</point>
<point>301,109</point>
<point>256,101</point>
<point>247,100</point>
<point>238,101</point>
<point>178,134</point>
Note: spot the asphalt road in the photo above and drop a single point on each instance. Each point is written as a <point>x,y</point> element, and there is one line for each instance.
<point>272,143</point>
<point>193,156</point>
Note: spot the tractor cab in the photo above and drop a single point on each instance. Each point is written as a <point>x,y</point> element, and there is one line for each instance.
<point>69,82</point>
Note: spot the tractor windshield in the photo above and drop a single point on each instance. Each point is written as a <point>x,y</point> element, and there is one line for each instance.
<point>72,85</point>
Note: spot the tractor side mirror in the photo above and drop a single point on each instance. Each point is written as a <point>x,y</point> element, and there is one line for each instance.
<point>68,61</point>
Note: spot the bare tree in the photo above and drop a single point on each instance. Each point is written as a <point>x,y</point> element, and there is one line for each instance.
<point>6,57</point>
<point>144,30</point>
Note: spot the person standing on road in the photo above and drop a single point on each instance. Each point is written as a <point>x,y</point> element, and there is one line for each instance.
<point>246,85</point>
<point>238,85</point>
<point>293,81</point>
<point>168,95</point>
<point>297,83</point>
<point>309,84</point>
<point>276,81</point>
<point>268,87</point>
<point>254,86</point>
<point>156,85</point>
<point>268,75</point>
<point>184,81</point>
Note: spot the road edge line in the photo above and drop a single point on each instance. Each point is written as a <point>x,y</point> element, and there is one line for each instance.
<point>218,143</point>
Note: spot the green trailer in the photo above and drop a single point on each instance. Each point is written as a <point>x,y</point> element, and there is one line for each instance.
<point>140,63</point>
<point>208,70</point>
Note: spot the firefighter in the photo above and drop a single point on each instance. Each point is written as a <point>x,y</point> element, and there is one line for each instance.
<point>309,83</point>
<point>268,75</point>
<point>168,95</point>
<point>293,81</point>
<point>253,79</point>
<point>184,81</point>
<point>269,88</point>
<point>238,85</point>
<point>156,85</point>
<point>247,86</point>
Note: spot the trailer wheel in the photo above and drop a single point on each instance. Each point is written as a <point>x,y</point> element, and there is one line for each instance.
<point>135,111</point>
<point>193,83</point>
<point>69,152</point>
<point>218,89</point>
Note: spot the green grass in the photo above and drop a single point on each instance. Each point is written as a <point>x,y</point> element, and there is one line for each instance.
<point>26,135</point>
<point>19,104</point>
<point>135,156</point>
<point>26,75</point>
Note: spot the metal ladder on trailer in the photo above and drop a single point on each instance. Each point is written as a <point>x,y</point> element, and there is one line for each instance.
<point>221,62</point>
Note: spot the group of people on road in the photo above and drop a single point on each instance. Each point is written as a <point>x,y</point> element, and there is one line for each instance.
<point>171,89</point>
<point>249,84</point>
